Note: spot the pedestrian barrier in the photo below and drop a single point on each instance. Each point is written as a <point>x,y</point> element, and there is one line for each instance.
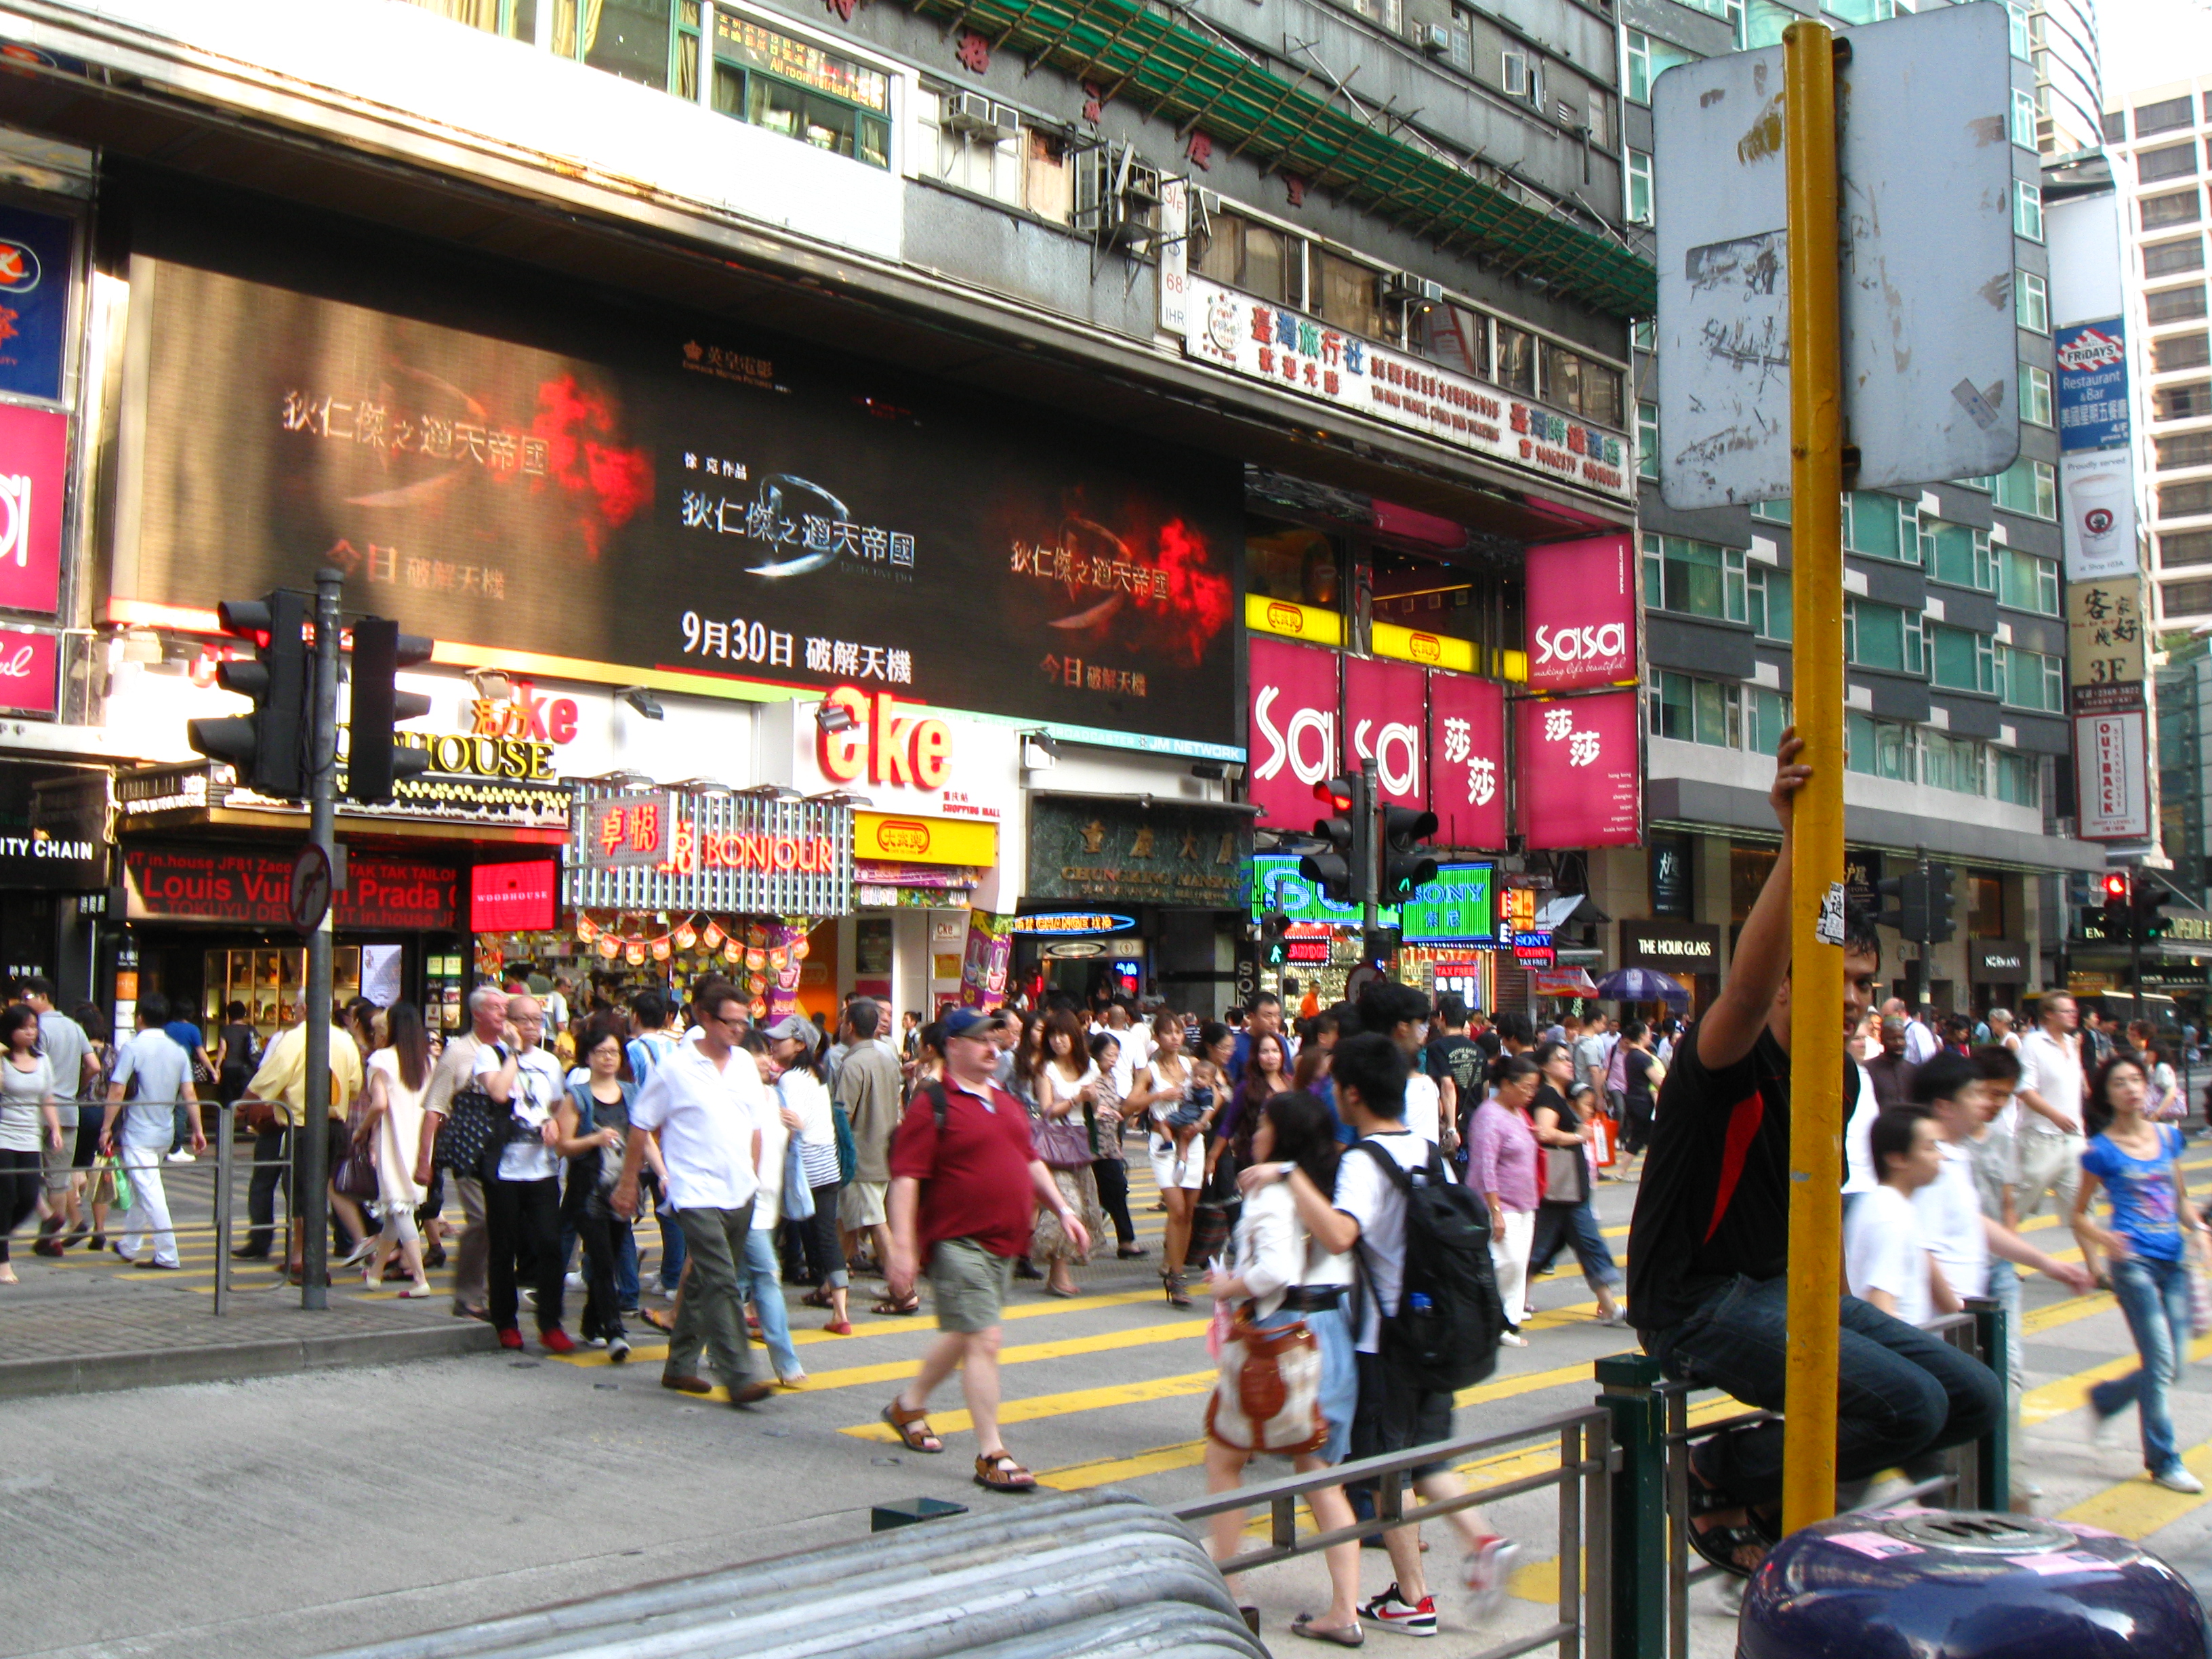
<point>1653,1569</point>
<point>1586,1464</point>
<point>1083,1573</point>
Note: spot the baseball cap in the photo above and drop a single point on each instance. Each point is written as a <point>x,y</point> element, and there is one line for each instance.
<point>793,1028</point>
<point>970,1022</point>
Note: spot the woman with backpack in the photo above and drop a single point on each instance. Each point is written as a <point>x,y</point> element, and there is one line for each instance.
<point>1282,1276</point>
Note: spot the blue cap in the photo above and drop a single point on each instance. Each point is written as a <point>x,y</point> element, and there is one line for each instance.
<point>963,1022</point>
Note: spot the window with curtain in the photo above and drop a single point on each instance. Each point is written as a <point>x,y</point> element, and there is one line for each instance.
<point>1881,748</point>
<point>2019,779</point>
<point>770,79</point>
<point>515,19</point>
<point>1451,336</point>
<point>1344,294</point>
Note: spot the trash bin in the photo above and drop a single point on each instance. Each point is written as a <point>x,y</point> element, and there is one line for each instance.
<point>1916,1583</point>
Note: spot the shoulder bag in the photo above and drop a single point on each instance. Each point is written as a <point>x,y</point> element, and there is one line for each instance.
<point>356,1176</point>
<point>1566,1175</point>
<point>1060,1142</point>
<point>1268,1396</point>
<point>472,1132</point>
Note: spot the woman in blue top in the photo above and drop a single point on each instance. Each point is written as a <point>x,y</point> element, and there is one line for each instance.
<point>2146,1244</point>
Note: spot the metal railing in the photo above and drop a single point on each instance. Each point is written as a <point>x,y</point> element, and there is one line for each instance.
<point>1586,1463</point>
<point>1652,1572</point>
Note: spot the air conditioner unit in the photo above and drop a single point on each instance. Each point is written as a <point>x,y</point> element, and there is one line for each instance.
<point>973,112</point>
<point>1403,288</point>
<point>1114,195</point>
<point>1436,39</point>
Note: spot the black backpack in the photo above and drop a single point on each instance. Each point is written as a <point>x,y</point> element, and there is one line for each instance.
<point>1449,1340</point>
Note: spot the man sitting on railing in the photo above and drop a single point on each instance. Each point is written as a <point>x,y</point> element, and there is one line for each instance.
<point>1708,1250</point>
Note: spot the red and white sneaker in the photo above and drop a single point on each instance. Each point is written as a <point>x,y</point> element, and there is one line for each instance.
<point>1407,1619</point>
<point>1489,1565</point>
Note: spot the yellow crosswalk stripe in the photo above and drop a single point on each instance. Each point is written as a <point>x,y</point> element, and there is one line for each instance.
<point>2069,1394</point>
<point>2137,1507</point>
<point>1054,1405</point>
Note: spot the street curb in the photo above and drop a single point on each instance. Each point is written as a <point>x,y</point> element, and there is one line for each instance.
<point>229,1362</point>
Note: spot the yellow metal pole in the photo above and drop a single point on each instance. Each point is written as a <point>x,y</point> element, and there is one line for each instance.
<point>1816,1037</point>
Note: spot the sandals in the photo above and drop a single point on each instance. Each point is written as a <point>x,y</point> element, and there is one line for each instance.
<point>913,1429</point>
<point>902,1309</point>
<point>1303,1625</point>
<point>816,1299</point>
<point>1722,1546</point>
<point>997,1471</point>
<point>1178,1297</point>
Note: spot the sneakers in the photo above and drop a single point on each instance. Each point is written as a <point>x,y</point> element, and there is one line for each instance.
<point>1408,1619</point>
<point>510,1338</point>
<point>1489,1565</point>
<point>2178,1479</point>
<point>556,1341</point>
<point>180,1156</point>
<point>617,1350</point>
<point>1513,1339</point>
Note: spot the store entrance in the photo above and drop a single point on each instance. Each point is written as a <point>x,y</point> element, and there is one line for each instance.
<point>202,975</point>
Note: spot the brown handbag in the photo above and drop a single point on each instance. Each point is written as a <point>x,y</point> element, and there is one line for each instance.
<point>1267,1397</point>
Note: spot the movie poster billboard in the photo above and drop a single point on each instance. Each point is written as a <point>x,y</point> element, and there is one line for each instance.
<point>561,475</point>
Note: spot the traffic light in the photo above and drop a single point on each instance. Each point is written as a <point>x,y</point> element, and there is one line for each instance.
<point>1407,866</point>
<point>1273,928</point>
<point>268,747</point>
<point>1940,899</point>
<point>1378,945</point>
<point>1904,904</point>
<point>373,761</point>
<point>1343,873</point>
<point>2120,909</point>
<point>2146,904</point>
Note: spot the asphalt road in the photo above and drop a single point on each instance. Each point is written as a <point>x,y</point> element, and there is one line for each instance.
<point>298,1515</point>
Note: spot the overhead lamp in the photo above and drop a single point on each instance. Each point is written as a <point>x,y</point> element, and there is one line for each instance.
<point>703,787</point>
<point>1039,750</point>
<point>767,791</point>
<point>839,798</point>
<point>834,717</point>
<point>492,684</point>
<point>643,702</point>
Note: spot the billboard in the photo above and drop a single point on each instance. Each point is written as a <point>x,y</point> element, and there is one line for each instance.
<point>2111,780</point>
<point>36,257</point>
<point>1582,614</point>
<point>1293,732</point>
<point>1383,721</point>
<point>2093,386</point>
<point>1458,905</point>
<point>1467,760</point>
<point>1580,771</point>
<point>559,476</point>
<point>2097,497</point>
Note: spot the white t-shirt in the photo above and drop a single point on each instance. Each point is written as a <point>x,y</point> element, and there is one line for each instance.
<point>539,1087</point>
<point>1920,1042</point>
<point>1372,1198</point>
<point>1858,1155</point>
<point>2048,1067</point>
<point>1882,1251</point>
<point>1950,1212</point>
<point>775,1142</point>
<point>706,1118</point>
<point>1424,1106</point>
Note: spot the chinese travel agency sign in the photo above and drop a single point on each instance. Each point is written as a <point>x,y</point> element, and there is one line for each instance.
<point>1264,341</point>
<point>710,850</point>
<point>1103,850</point>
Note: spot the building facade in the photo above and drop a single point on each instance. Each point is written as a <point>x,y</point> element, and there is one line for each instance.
<point>1957,722</point>
<point>859,430</point>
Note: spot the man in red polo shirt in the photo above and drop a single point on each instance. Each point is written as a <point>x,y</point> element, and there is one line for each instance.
<point>965,1188</point>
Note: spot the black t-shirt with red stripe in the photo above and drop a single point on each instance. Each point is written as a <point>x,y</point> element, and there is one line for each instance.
<point>1715,1199</point>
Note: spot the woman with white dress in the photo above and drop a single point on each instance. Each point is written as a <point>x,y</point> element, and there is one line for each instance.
<point>1178,1150</point>
<point>398,1076</point>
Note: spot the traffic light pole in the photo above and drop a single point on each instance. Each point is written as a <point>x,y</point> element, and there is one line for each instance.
<point>311,1142</point>
<point>1925,981</point>
<point>1365,848</point>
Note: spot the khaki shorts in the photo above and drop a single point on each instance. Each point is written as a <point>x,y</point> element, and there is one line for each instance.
<point>969,1285</point>
<point>861,1205</point>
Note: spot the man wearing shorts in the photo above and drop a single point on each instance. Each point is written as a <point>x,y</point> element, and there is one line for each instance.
<point>867,1086</point>
<point>964,1191</point>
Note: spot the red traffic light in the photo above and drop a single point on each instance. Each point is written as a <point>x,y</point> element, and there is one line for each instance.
<point>1337,792</point>
<point>2116,884</point>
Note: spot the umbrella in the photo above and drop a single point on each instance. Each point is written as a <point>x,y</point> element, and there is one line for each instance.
<point>1641,985</point>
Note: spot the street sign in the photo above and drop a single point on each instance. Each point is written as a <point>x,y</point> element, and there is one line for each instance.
<point>1930,353</point>
<point>310,888</point>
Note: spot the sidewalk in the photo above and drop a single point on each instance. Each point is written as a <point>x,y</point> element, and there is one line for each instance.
<point>83,1323</point>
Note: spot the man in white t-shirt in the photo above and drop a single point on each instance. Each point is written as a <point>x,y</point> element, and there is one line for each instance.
<point>522,1200</point>
<point>2051,1090</point>
<point>1367,1213</point>
<point>1400,1013</point>
<point>705,1101</point>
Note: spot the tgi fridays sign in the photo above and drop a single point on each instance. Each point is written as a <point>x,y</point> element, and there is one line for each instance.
<point>1263,342</point>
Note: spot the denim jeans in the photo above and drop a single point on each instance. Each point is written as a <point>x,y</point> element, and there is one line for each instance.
<point>2154,1296</point>
<point>673,1247</point>
<point>762,1278</point>
<point>1900,1392</point>
<point>1575,1225</point>
<point>625,1265</point>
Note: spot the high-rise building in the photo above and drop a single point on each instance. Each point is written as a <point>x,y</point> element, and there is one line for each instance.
<point>1956,726</point>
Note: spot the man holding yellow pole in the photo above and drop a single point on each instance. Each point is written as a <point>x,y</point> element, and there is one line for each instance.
<point>1708,1249</point>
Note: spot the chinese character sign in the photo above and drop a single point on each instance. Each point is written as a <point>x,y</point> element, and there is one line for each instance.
<point>1292,742</point>
<point>1467,760</point>
<point>1580,771</point>
<point>34,469</point>
<point>2093,386</point>
<point>1384,709</point>
<point>2104,635</point>
<point>640,490</point>
<point>1582,614</point>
